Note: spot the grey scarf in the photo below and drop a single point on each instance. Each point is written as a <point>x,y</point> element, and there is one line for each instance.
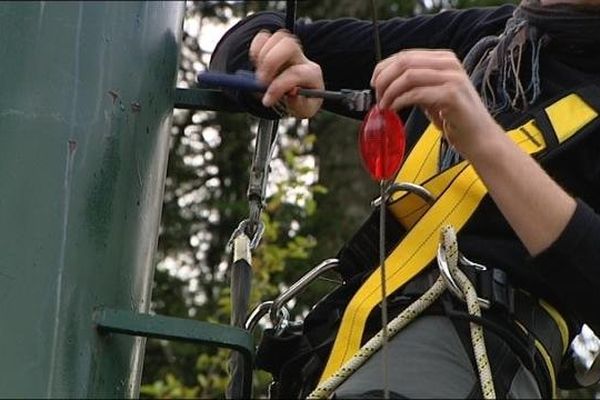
<point>506,68</point>
<point>496,63</point>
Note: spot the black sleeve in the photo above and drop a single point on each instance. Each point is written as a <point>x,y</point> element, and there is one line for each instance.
<point>344,48</point>
<point>571,265</point>
<point>231,54</point>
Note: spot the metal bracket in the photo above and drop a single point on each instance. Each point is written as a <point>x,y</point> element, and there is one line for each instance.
<point>180,330</point>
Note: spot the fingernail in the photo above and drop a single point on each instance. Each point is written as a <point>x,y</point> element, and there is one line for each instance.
<point>267,100</point>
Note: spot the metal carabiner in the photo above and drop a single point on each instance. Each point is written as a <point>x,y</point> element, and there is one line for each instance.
<point>408,187</point>
<point>283,317</point>
<point>256,315</point>
<point>278,314</point>
<point>300,285</point>
<point>449,280</point>
<point>256,237</point>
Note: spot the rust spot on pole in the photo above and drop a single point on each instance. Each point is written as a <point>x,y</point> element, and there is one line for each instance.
<point>72,146</point>
<point>136,107</point>
<point>114,94</point>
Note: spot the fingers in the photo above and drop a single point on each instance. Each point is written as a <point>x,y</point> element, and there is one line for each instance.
<point>257,44</point>
<point>282,65</point>
<point>413,78</point>
<point>306,75</point>
<point>273,52</point>
<point>438,59</point>
<point>388,71</point>
<point>413,55</point>
<point>436,82</point>
<point>429,97</point>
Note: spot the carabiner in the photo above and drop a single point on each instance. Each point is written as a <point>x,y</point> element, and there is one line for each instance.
<point>449,280</point>
<point>278,314</point>
<point>419,190</point>
<point>300,285</point>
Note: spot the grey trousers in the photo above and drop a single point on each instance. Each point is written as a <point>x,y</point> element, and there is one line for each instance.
<point>428,360</point>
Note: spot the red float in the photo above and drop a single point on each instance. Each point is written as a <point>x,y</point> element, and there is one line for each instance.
<point>382,140</point>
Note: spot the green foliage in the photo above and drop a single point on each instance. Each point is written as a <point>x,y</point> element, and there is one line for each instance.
<point>170,387</point>
<point>205,199</point>
<point>278,252</point>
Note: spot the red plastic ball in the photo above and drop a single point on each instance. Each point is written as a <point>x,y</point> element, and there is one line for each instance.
<point>381,143</point>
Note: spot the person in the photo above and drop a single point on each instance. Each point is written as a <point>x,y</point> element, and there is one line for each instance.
<point>474,74</point>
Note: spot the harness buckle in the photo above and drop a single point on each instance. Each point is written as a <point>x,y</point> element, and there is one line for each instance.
<point>502,293</point>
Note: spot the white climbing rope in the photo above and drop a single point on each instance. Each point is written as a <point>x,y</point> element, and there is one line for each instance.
<point>325,389</point>
<point>450,246</point>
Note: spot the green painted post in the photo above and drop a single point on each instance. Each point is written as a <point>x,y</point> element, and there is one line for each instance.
<point>86,96</point>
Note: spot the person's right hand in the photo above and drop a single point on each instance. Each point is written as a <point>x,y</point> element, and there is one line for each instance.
<point>281,64</point>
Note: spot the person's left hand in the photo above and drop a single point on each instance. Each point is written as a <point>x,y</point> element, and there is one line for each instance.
<point>436,81</point>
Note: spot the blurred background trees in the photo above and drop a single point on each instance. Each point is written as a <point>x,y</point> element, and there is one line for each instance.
<point>318,195</point>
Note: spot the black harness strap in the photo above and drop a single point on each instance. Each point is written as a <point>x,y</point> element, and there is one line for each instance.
<point>361,253</point>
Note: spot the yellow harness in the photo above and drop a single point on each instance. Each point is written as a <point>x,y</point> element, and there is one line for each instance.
<point>458,192</point>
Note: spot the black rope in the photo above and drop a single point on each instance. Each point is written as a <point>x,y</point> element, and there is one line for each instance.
<point>290,15</point>
<point>377,39</point>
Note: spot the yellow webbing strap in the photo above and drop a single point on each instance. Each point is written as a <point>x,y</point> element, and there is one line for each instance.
<point>410,206</point>
<point>459,191</point>
<point>422,162</point>
<point>561,324</point>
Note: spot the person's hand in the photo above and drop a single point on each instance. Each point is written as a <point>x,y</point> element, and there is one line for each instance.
<point>281,64</point>
<point>436,81</point>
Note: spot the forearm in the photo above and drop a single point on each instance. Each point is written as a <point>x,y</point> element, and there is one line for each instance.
<point>535,206</point>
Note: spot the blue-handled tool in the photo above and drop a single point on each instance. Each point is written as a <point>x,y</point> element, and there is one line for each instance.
<point>355,100</point>
<point>241,80</point>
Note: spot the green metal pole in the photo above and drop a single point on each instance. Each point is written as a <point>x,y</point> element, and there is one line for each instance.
<point>86,96</point>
